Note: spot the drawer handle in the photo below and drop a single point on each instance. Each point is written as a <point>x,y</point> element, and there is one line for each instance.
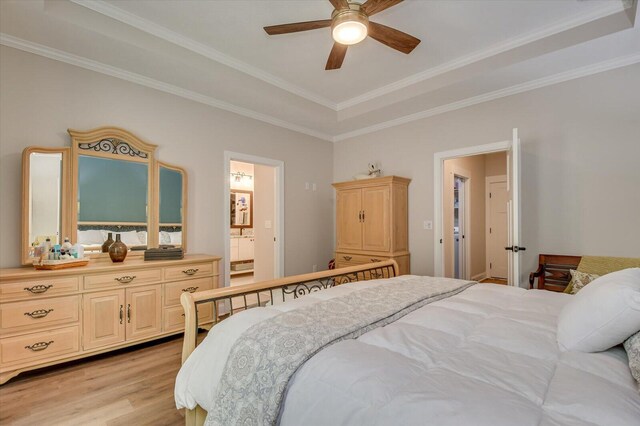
<point>191,271</point>
<point>125,279</point>
<point>40,313</point>
<point>190,289</point>
<point>37,289</point>
<point>373,259</point>
<point>347,258</point>
<point>40,346</point>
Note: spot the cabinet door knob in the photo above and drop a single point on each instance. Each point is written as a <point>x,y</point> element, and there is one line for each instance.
<point>191,271</point>
<point>129,313</point>
<point>37,289</point>
<point>40,346</point>
<point>40,313</point>
<point>121,313</point>
<point>125,279</point>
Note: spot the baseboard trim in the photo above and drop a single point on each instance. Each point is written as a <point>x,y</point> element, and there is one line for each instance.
<point>480,276</point>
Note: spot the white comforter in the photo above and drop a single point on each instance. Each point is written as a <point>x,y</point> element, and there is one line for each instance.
<point>487,356</point>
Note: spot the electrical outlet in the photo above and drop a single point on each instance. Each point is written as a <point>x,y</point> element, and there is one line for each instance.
<point>428,224</point>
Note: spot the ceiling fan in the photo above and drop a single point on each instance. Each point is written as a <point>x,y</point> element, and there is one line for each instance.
<point>350,25</point>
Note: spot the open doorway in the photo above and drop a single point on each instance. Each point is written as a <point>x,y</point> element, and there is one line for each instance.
<point>253,219</point>
<point>476,213</point>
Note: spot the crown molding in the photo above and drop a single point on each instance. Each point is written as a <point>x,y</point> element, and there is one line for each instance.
<point>509,44</point>
<point>89,64</point>
<point>585,71</point>
<point>166,34</point>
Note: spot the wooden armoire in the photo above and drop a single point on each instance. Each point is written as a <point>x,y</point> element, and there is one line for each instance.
<point>372,221</point>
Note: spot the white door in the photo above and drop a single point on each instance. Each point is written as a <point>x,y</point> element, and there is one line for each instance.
<point>497,238</point>
<point>514,245</point>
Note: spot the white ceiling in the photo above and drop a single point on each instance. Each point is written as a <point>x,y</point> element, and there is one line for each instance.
<point>216,52</point>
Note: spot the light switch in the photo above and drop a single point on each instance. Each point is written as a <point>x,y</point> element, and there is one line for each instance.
<point>306,186</point>
<point>267,224</point>
<point>428,224</point>
<point>313,187</point>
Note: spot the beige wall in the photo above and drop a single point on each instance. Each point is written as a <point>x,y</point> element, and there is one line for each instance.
<point>264,211</point>
<point>580,153</point>
<point>41,98</point>
<point>495,164</point>
<point>474,169</point>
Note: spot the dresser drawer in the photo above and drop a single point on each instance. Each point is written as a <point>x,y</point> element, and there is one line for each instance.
<point>38,288</point>
<point>173,291</point>
<point>38,313</point>
<point>173,317</point>
<point>117,279</point>
<point>195,270</point>
<point>346,259</point>
<point>35,346</point>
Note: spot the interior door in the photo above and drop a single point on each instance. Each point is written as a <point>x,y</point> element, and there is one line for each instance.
<point>103,314</point>
<point>349,219</point>
<point>376,221</point>
<point>143,311</point>
<point>498,230</point>
<point>514,245</point>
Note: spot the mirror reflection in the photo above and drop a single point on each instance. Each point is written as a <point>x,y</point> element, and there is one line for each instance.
<point>112,198</point>
<point>171,206</point>
<point>241,209</point>
<point>45,172</point>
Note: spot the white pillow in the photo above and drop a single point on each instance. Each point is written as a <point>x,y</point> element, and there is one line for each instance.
<point>142,236</point>
<point>91,237</point>
<point>165,238</point>
<point>175,237</point>
<point>130,238</point>
<point>603,314</point>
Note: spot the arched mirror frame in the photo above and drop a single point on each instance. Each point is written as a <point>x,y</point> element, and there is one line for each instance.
<point>185,198</point>
<point>65,216</point>
<point>119,144</point>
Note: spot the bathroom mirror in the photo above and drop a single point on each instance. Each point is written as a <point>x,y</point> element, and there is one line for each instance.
<point>45,183</point>
<point>241,208</point>
<point>173,200</point>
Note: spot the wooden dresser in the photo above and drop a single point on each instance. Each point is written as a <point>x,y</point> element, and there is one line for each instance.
<point>372,221</point>
<point>49,317</point>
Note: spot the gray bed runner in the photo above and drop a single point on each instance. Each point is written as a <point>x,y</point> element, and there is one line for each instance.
<point>266,356</point>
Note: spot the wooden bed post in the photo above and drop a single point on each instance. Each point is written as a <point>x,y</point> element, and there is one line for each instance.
<point>190,326</point>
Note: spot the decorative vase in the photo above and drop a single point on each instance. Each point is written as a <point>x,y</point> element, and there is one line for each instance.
<point>118,250</point>
<point>107,244</point>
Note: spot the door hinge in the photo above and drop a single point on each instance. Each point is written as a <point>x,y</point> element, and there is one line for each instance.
<point>490,265</point>
<point>489,230</point>
<point>489,195</point>
<point>440,240</point>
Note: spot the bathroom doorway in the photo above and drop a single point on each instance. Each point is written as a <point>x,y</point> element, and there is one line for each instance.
<point>253,206</point>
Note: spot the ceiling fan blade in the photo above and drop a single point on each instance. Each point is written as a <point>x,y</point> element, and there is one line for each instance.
<point>297,26</point>
<point>371,7</point>
<point>393,38</point>
<point>340,4</point>
<point>338,52</point>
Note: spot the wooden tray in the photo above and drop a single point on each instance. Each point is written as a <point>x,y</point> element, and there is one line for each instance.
<point>60,264</point>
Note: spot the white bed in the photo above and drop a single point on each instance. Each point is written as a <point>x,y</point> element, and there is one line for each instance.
<point>486,356</point>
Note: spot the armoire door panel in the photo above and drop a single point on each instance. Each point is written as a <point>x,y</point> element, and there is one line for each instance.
<point>103,318</point>
<point>348,219</point>
<point>376,208</point>
<point>143,312</point>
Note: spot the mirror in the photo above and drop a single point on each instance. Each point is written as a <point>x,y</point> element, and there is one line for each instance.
<point>241,209</point>
<point>107,181</point>
<point>44,184</point>
<point>173,200</point>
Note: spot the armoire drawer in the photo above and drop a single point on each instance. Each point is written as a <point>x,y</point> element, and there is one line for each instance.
<point>39,288</point>
<point>195,270</point>
<point>173,291</point>
<point>38,313</point>
<point>347,259</point>
<point>117,279</point>
<point>35,346</point>
<point>173,317</point>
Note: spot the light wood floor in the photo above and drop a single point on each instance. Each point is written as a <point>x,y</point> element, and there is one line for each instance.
<point>494,281</point>
<point>128,387</point>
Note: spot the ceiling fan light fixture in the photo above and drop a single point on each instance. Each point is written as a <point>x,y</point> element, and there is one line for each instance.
<point>349,27</point>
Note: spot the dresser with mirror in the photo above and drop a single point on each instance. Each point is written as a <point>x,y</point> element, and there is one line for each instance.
<point>107,181</point>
